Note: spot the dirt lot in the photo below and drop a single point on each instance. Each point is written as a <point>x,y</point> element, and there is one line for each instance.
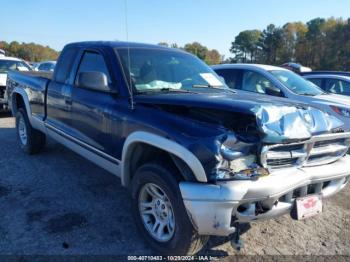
<point>58,203</point>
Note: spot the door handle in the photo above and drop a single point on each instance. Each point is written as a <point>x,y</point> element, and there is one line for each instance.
<point>66,92</point>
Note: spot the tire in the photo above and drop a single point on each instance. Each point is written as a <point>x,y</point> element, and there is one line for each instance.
<point>179,239</point>
<point>30,140</point>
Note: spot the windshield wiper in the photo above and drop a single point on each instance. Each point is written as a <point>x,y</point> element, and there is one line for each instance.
<point>213,87</point>
<point>165,90</point>
<point>203,86</point>
<point>306,94</point>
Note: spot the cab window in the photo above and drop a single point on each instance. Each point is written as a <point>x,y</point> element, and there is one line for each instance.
<point>93,62</point>
<point>64,65</point>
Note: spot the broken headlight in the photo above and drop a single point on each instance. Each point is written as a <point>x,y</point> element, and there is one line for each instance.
<point>237,162</point>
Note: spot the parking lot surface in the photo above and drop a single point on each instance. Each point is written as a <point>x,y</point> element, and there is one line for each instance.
<point>57,203</point>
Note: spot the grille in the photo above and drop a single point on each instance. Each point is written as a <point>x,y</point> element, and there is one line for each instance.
<point>319,150</point>
<point>2,91</point>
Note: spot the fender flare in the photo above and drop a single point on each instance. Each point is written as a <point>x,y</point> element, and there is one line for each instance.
<point>34,121</point>
<point>24,96</point>
<point>164,144</point>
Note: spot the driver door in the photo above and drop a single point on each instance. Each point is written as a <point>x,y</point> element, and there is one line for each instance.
<point>91,119</point>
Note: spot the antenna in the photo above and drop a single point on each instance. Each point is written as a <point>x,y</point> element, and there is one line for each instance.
<point>129,60</point>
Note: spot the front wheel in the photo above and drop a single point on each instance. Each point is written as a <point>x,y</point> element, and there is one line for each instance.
<point>30,140</point>
<point>160,214</point>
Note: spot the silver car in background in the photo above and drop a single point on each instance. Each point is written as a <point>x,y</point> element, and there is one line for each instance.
<point>279,82</point>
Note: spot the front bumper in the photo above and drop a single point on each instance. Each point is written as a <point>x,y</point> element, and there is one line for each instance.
<point>213,208</point>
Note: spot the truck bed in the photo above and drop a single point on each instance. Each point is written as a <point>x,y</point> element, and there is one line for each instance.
<point>34,84</point>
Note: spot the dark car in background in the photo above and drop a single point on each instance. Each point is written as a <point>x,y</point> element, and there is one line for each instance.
<point>335,84</point>
<point>340,73</point>
<point>296,68</point>
<point>47,66</point>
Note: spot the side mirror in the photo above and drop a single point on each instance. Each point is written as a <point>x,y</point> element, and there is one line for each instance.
<point>273,91</point>
<point>93,80</point>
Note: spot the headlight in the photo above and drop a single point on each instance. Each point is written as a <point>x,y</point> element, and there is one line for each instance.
<point>227,149</point>
<point>341,111</point>
<point>237,162</point>
<point>229,154</point>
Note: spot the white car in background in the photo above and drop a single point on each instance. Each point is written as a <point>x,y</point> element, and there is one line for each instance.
<point>8,64</point>
<point>47,66</point>
<point>273,81</point>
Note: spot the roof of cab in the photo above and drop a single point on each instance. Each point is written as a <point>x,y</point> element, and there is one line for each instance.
<point>119,44</point>
<point>248,66</point>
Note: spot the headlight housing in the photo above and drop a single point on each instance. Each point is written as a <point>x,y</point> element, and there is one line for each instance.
<point>341,111</point>
<point>237,162</point>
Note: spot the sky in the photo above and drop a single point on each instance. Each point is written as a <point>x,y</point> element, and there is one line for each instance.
<point>213,23</point>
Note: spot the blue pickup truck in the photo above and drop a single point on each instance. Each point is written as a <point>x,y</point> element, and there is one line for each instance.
<point>199,158</point>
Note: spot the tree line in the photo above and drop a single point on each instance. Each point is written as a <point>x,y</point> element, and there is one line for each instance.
<point>322,44</point>
<point>29,51</point>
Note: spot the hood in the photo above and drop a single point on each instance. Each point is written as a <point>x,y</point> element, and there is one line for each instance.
<point>275,121</point>
<point>3,78</point>
<point>332,99</point>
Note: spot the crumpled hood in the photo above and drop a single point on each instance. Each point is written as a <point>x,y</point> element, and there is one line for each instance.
<point>3,78</point>
<point>284,123</point>
<point>277,122</point>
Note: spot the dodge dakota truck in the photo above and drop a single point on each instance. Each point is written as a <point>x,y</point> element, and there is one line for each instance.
<point>198,158</point>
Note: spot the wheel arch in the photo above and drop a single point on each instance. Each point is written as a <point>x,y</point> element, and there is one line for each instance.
<point>19,98</point>
<point>181,157</point>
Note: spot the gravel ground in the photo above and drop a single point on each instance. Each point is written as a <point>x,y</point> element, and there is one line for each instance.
<point>57,203</point>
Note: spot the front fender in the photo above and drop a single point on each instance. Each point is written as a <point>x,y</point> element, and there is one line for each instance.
<point>162,143</point>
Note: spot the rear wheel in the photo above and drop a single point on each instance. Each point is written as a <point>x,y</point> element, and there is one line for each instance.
<point>30,140</point>
<point>160,214</point>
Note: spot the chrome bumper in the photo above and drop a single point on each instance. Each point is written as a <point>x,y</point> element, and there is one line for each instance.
<point>213,208</point>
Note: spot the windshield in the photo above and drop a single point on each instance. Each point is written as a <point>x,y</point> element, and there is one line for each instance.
<point>296,83</point>
<point>167,70</point>
<point>8,65</point>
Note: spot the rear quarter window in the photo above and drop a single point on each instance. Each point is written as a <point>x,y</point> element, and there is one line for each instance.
<point>92,61</point>
<point>64,65</point>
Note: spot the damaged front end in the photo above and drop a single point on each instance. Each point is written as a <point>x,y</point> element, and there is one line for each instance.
<point>248,188</point>
<point>238,160</point>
